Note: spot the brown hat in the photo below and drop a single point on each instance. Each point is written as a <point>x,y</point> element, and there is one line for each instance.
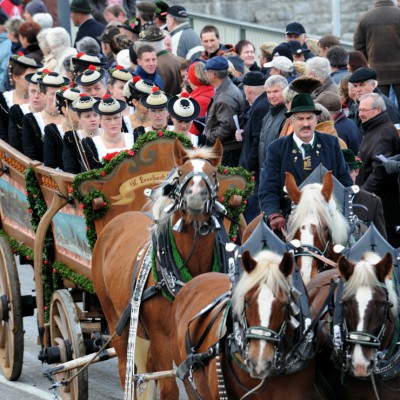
<point>109,32</point>
<point>331,101</point>
<point>152,34</point>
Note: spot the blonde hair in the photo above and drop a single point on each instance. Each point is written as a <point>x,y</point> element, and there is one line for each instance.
<point>312,45</point>
<point>300,67</point>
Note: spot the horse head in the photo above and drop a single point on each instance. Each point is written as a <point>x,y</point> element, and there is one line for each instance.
<point>315,223</point>
<point>260,309</point>
<point>369,301</point>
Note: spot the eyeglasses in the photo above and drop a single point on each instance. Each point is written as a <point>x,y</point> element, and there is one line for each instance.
<point>366,109</point>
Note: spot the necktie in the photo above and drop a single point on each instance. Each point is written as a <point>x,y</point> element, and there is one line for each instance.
<point>307,159</point>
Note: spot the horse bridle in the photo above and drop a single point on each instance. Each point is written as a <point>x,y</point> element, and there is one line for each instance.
<point>343,338</point>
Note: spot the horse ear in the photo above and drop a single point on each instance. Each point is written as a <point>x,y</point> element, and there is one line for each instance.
<point>248,262</point>
<point>286,265</point>
<point>217,151</point>
<point>292,189</point>
<point>384,267</point>
<point>346,267</point>
<point>180,154</point>
<point>327,186</point>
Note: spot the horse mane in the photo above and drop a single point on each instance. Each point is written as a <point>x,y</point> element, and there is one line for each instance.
<point>364,274</point>
<point>314,208</point>
<point>266,272</point>
<point>158,202</point>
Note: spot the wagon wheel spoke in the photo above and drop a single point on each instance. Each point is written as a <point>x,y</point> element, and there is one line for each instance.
<point>66,333</point>
<point>11,325</point>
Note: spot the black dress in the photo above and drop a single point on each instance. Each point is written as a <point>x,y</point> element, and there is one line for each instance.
<point>53,146</point>
<point>4,108</point>
<point>71,155</point>
<point>32,137</point>
<point>15,116</point>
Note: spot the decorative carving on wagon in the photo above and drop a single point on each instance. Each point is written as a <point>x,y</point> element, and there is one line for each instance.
<point>128,177</point>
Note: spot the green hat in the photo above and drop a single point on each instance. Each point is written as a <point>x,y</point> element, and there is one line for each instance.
<point>303,103</point>
<point>81,6</point>
<point>351,160</point>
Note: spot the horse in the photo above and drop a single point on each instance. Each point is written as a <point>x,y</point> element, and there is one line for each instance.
<point>362,337</point>
<point>316,223</point>
<point>183,236</point>
<point>235,342</point>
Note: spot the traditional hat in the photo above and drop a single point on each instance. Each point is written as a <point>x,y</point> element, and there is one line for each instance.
<point>87,59</point>
<point>132,25</point>
<point>156,99</point>
<point>84,103</point>
<point>66,95</point>
<point>108,106</point>
<point>25,61</point>
<point>362,74</point>
<point>305,84</point>
<point>52,79</point>
<point>217,63</point>
<point>91,76</point>
<point>33,78</point>
<point>162,9</point>
<point>295,28</point>
<point>254,78</point>
<point>183,108</point>
<point>303,103</point>
<point>282,63</point>
<point>109,32</point>
<point>352,161</point>
<point>151,34</point>
<point>141,86</point>
<point>178,11</point>
<point>81,6</point>
<point>120,73</point>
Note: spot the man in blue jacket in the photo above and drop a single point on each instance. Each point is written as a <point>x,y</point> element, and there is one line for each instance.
<point>299,153</point>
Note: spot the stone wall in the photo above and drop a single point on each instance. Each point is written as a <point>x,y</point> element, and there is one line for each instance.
<point>315,15</point>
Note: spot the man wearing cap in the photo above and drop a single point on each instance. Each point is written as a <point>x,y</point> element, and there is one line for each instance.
<point>256,96</point>
<point>296,31</point>
<point>185,42</point>
<point>379,138</point>
<point>82,18</point>
<point>298,50</point>
<point>211,42</point>
<point>345,127</point>
<point>161,14</point>
<point>366,206</point>
<point>227,102</point>
<point>377,36</point>
<point>109,32</point>
<point>299,153</point>
<point>319,68</point>
<point>281,65</point>
<point>363,81</point>
<point>284,49</point>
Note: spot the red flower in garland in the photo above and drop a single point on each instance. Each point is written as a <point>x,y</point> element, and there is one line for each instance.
<point>54,271</point>
<point>160,133</point>
<point>28,257</point>
<point>109,156</point>
<point>30,210</point>
<point>245,202</point>
<point>131,152</point>
<point>225,171</point>
<point>46,262</point>
<point>222,199</point>
<point>234,239</point>
<point>82,206</point>
<point>102,173</point>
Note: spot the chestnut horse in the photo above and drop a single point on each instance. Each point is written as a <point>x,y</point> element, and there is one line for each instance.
<point>364,331</point>
<point>241,349</point>
<point>316,223</point>
<point>185,216</point>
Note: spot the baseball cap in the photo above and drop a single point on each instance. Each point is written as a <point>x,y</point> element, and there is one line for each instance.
<point>295,28</point>
<point>281,62</point>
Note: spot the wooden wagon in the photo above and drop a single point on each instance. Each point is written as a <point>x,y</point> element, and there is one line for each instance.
<point>51,219</point>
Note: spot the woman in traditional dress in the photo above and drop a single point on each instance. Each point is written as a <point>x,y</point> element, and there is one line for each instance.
<point>16,113</point>
<point>53,142</point>
<point>74,156</point>
<point>19,66</point>
<point>33,124</point>
<point>112,139</point>
<point>92,82</point>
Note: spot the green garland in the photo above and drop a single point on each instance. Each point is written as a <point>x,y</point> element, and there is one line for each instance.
<point>78,280</point>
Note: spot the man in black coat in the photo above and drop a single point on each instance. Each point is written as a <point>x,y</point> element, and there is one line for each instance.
<point>379,138</point>
<point>81,17</point>
<point>254,90</point>
<point>299,153</point>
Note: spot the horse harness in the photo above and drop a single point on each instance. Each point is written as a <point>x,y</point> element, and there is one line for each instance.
<point>234,338</point>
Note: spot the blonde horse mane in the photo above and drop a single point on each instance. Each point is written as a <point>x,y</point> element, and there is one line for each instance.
<point>314,209</point>
<point>267,273</point>
<point>364,274</point>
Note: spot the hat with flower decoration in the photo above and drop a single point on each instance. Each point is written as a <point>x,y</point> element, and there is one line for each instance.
<point>91,76</point>
<point>131,25</point>
<point>351,160</point>
<point>26,61</point>
<point>84,103</point>
<point>109,106</point>
<point>183,108</point>
<point>120,73</point>
<point>67,95</point>
<point>33,78</point>
<point>156,99</point>
<point>52,79</point>
<point>87,59</point>
<point>141,86</point>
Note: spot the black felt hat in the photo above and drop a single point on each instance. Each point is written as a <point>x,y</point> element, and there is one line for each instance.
<point>351,160</point>
<point>91,76</point>
<point>84,103</point>
<point>183,108</point>
<point>66,95</point>
<point>25,61</point>
<point>156,99</point>
<point>108,106</point>
<point>362,74</point>
<point>254,78</point>
<point>87,59</point>
<point>52,79</point>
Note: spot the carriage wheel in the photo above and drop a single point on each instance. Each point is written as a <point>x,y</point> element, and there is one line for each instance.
<point>66,333</point>
<point>11,325</point>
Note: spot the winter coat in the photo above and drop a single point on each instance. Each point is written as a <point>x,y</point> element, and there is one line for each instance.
<point>186,42</point>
